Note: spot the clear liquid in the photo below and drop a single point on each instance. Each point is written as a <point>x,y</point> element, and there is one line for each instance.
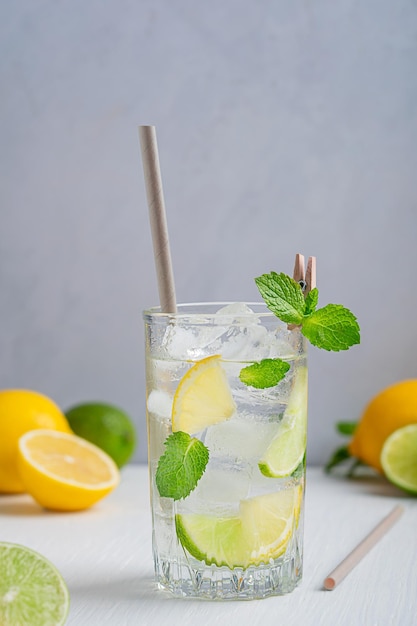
<point>232,475</point>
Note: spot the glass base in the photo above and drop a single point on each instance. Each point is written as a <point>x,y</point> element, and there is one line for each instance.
<point>186,580</point>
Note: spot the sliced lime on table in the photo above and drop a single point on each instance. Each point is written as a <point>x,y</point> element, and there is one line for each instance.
<point>32,591</point>
<point>399,458</point>
<point>287,449</point>
<point>259,532</point>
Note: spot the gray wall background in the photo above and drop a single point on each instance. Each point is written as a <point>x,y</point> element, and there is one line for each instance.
<point>282,127</point>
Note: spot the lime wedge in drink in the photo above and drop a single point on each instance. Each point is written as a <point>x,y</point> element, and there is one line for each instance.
<point>287,449</point>
<point>32,591</point>
<point>399,458</point>
<point>258,533</point>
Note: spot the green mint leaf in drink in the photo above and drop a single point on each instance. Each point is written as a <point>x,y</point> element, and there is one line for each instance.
<point>332,328</point>
<point>312,299</point>
<point>266,373</point>
<point>181,466</point>
<point>283,296</point>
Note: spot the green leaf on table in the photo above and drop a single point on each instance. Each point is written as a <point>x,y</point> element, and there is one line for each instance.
<point>181,466</point>
<point>332,328</point>
<point>346,428</point>
<point>283,296</point>
<point>340,455</point>
<point>266,373</point>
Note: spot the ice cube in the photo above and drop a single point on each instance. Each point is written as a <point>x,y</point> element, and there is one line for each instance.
<point>220,489</point>
<point>246,344</point>
<point>194,342</point>
<point>160,403</point>
<point>261,484</point>
<point>237,313</point>
<point>240,439</point>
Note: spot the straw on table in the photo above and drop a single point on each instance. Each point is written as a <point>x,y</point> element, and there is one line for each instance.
<point>157,217</point>
<point>346,566</point>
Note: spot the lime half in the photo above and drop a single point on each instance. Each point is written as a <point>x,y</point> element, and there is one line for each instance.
<point>259,533</point>
<point>32,591</point>
<point>399,458</point>
<point>287,449</point>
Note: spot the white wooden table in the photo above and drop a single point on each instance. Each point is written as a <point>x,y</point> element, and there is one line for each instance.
<point>105,556</point>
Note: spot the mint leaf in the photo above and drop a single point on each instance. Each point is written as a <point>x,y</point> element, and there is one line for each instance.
<point>312,299</point>
<point>181,466</point>
<point>346,428</point>
<point>283,296</point>
<point>332,328</point>
<point>340,455</point>
<point>266,373</point>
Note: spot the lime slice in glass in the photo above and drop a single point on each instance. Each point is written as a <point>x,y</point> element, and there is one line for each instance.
<point>32,591</point>
<point>399,458</point>
<point>258,533</point>
<point>287,449</point>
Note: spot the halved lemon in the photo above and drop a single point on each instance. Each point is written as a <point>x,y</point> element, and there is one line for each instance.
<point>259,533</point>
<point>203,397</point>
<point>287,449</point>
<point>64,472</point>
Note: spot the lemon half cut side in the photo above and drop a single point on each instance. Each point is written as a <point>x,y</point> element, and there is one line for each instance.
<point>65,472</point>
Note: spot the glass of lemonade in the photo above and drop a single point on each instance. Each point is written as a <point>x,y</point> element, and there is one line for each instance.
<point>230,527</point>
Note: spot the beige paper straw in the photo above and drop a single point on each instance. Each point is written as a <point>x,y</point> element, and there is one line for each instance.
<point>157,217</point>
<point>343,569</point>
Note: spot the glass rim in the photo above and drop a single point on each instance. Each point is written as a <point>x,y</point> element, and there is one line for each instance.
<point>204,310</point>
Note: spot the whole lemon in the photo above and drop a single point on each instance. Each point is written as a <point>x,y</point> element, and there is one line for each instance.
<point>22,410</point>
<point>392,408</point>
<point>105,425</point>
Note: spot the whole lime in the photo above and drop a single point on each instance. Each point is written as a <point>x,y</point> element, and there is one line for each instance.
<point>105,425</point>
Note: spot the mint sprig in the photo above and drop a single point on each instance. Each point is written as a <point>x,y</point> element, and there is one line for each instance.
<point>181,466</point>
<point>283,296</point>
<point>265,373</point>
<point>311,301</point>
<point>332,327</point>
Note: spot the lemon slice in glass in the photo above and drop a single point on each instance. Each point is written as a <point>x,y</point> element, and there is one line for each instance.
<point>399,458</point>
<point>259,533</point>
<point>203,397</point>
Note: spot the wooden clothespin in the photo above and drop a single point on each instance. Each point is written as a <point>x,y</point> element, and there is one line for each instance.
<point>307,278</point>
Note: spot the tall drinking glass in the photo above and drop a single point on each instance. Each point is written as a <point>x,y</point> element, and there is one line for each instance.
<point>212,372</point>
